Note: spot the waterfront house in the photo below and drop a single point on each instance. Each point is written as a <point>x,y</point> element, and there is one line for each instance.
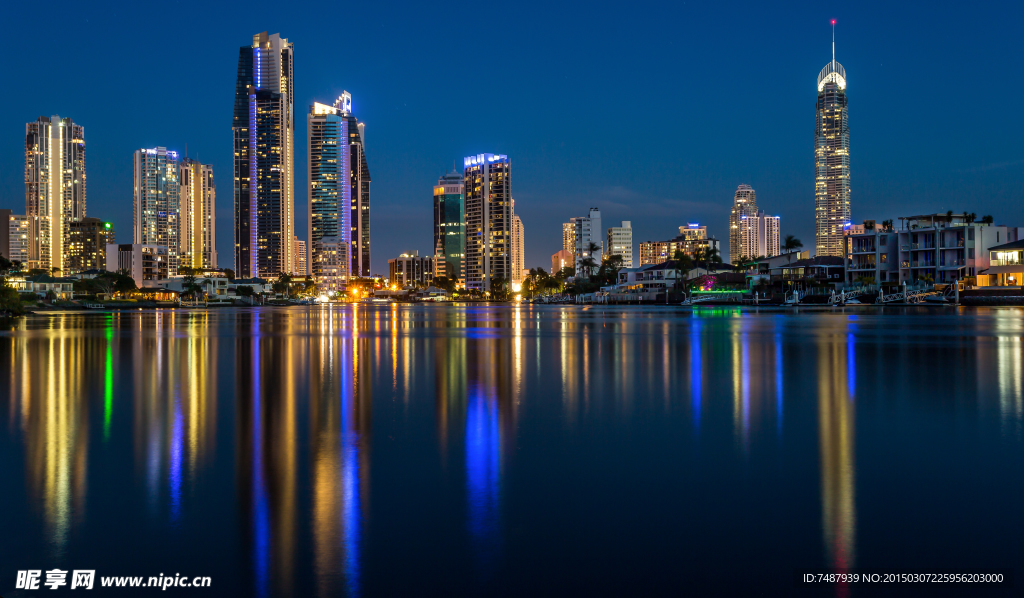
<point>1006,266</point>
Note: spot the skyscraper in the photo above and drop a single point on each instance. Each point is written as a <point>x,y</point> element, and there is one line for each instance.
<point>831,158</point>
<point>518,248</point>
<point>198,215</point>
<point>264,175</point>
<point>744,205</point>
<point>620,243</point>
<point>588,230</point>
<point>157,204</point>
<point>301,266</point>
<point>54,186</point>
<point>20,238</point>
<point>488,190</point>
<point>339,193</point>
<point>450,226</point>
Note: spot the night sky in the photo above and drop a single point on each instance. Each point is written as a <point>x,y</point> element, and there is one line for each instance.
<point>652,112</point>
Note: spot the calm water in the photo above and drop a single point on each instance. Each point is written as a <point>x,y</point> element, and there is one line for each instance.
<point>513,451</point>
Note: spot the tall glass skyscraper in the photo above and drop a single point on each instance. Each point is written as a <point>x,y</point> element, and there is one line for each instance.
<point>488,190</point>
<point>157,202</point>
<point>831,158</point>
<point>263,124</point>
<point>339,193</point>
<point>450,226</point>
<point>54,187</point>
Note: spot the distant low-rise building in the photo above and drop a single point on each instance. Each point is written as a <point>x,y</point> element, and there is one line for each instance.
<point>562,259</point>
<point>146,264</point>
<point>1005,266</point>
<point>692,238</point>
<point>410,269</point>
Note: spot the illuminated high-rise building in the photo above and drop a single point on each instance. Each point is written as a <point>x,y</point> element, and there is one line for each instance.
<point>197,215</point>
<point>488,190</point>
<point>87,245</point>
<point>157,205</point>
<point>20,237</point>
<point>744,205</point>
<point>518,248</point>
<point>569,236</point>
<point>339,193</point>
<point>264,172</point>
<point>759,236</point>
<point>831,158</point>
<point>54,186</point>
<point>450,226</point>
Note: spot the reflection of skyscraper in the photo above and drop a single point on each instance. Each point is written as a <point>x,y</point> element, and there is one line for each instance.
<point>836,380</point>
<point>54,186</point>
<point>157,202</point>
<point>488,190</point>
<point>263,125</point>
<point>831,158</point>
<point>450,226</point>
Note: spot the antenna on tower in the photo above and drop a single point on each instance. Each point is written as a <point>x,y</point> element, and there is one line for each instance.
<point>833,41</point>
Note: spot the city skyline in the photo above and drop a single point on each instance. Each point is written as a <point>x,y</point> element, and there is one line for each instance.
<point>561,169</point>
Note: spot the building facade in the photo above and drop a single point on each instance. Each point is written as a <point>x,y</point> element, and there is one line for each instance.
<point>54,186</point>
<point>831,159</point>
<point>450,227</point>
<point>518,249</point>
<point>569,236</point>
<point>20,238</point>
<point>6,218</point>
<point>410,269</point>
<point>759,236</point>
<point>157,202</point>
<point>197,215</point>
<point>930,248</point>
<point>332,262</point>
<point>692,238</point>
<point>620,242</point>
<point>588,230</point>
<point>301,262</point>
<point>263,126</point>
<point>487,182</point>
<point>146,264</point>
<point>563,258</point>
<point>744,205</point>
<point>87,245</point>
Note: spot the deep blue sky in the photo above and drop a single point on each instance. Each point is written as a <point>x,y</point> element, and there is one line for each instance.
<point>653,112</point>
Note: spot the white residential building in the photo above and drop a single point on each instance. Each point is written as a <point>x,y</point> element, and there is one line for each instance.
<point>588,230</point>
<point>620,242</point>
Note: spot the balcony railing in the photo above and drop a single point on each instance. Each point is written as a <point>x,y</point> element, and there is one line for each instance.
<point>1012,262</point>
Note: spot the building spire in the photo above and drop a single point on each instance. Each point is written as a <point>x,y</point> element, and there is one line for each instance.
<point>833,41</point>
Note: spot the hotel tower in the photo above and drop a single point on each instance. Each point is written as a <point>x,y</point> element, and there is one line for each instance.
<point>54,187</point>
<point>831,158</point>
<point>264,174</point>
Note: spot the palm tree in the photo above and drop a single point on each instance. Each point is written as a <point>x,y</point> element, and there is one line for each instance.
<point>790,245</point>
<point>949,217</point>
<point>589,263</point>
<point>683,265</point>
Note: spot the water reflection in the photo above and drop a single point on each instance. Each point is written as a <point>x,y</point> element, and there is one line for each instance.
<point>513,403</point>
<point>836,369</point>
